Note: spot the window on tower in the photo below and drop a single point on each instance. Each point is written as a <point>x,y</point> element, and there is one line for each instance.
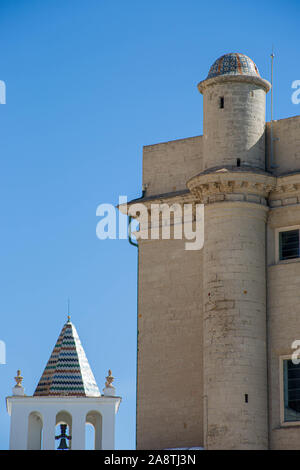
<point>291,391</point>
<point>222,102</point>
<point>288,244</point>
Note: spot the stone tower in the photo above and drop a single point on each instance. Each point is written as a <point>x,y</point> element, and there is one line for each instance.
<point>234,103</point>
<point>217,326</point>
<point>202,315</point>
<point>66,395</point>
<point>234,186</point>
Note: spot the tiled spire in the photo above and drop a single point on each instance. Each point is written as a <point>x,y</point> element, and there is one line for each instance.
<point>68,372</point>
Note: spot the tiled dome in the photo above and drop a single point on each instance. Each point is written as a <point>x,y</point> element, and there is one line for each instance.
<point>233,64</point>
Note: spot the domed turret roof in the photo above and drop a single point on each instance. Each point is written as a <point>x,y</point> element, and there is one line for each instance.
<point>233,64</point>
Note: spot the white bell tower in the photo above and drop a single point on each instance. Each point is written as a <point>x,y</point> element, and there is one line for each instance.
<point>66,395</point>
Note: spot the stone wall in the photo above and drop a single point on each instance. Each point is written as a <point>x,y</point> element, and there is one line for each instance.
<point>283,322</point>
<point>170,390</point>
<point>168,166</point>
<point>286,134</point>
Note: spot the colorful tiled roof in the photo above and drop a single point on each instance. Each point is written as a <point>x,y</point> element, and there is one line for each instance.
<point>68,372</point>
<point>233,64</point>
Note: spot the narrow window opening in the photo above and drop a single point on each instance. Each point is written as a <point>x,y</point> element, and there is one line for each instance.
<point>222,102</point>
<point>238,162</point>
<point>246,397</point>
<point>289,244</point>
<point>291,379</point>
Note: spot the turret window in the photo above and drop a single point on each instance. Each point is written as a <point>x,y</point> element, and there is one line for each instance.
<point>221,102</point>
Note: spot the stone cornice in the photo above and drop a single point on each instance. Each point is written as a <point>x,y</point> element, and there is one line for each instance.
<point>232,186</point>
<point>227,185</point>
<point>234,78</point>
<point>286,191</point>
<point>182,197</point>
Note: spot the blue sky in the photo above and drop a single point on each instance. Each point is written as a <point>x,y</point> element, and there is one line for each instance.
<point>89,82</point>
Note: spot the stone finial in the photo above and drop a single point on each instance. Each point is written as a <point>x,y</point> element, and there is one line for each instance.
<point>18,389</point>
<point>109,389</point>
<point>18,379</point>
<point>109,380</point>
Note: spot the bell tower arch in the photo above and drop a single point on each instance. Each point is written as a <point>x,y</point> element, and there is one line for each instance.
<point>66,398</point>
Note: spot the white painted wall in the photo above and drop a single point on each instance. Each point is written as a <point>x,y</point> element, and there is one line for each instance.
<point>19,408</point>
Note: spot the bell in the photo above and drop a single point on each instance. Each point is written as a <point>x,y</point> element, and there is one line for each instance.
<point>63,444</point>
<point>63,438</point>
